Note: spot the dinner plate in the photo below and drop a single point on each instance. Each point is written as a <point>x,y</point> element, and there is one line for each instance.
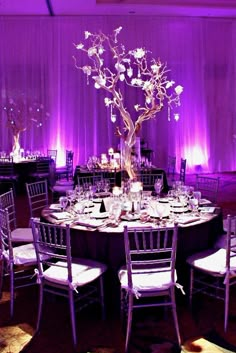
<point>101,215</point>
<point>164,200</point>
<point>177,204</point>
<point>98,200</point>
<point>154,214</point>
<point>180,209</point>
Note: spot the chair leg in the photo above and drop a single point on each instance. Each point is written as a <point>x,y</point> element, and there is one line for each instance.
<point>11,290</point>
<point>102,297</point>
<point>72,316</point>
<point>2,264</point>
<point>129,321</point>
<point>191,286</point>
<point>40,306</point>
<point>172,293</point>
<point>226,305</point>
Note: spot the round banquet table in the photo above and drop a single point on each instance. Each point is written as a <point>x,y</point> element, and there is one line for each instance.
<point>107,245</point>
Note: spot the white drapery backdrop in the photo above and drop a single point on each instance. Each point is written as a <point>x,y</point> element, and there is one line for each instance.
<point>36,60</point>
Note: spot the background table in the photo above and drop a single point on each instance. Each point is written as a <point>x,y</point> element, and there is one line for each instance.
<point>120,174</point>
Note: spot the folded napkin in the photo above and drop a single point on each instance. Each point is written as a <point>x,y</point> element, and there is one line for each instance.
<point>204,202</point>
<point>61,215</point>
<point>207,209</point>
<point>185,219</point>
<point>55,206</point>
<point>91,223</point>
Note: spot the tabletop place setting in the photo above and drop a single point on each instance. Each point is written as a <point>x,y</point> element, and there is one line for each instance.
<point>100,207</point>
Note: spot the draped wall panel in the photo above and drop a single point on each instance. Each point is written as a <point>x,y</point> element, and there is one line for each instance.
<point>36,60</point>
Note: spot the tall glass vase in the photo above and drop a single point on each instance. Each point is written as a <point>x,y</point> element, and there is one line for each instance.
<point>16,147</point>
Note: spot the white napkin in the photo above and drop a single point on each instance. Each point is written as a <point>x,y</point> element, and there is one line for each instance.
<point>93,223</point>
<point>61,215</point>
<point>204,202</point>
<point>185,219</point>
<point>207,209</point>
<point>55,206</point>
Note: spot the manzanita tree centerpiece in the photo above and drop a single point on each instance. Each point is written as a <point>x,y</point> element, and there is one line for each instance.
<point>135,68</point>
<point>21,113</point>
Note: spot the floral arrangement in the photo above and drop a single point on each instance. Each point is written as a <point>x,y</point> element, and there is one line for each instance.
<point>136,69</point>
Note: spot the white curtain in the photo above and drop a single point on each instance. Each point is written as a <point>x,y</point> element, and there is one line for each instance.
<point>36,61</point>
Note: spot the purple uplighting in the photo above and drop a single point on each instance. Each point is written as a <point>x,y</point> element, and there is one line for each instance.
<point>36,59</point>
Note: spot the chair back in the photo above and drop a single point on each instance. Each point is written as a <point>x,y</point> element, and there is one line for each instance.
<point>53,155</point>
<point>150,250</point>
<point>148,179</point>
<point>70,163</point>
<point>43,167</point>
<point>171,166</point>
<point>37,194</point>
<point>5,235</point>
<point>230,242</point>
<point>7,202</point>
<point>6,167</point>
<point>86,181</point>
<point>110,175</point>
<point>52,246</point>
<point>182,172</point>
<point>209,187</point>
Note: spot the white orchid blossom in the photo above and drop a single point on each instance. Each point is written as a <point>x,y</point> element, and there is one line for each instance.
<point>99,81</point>
<point>92,51</point>
<point>147,85</point>
<point>179,89</point>
<point>136,82</point>
<point>101,50</point>
<point>139,53</point>
<point>120,67</point>
<point>87,70</point>
<point>117,30</point>
<point>79,46</point>
<point>130,72</point>
<point>155,68</point>
<point>87,34</point>
<point>107,101</point>
<point>170,84</point>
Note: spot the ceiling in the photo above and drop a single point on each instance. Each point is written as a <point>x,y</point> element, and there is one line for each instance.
<point>209,8</point>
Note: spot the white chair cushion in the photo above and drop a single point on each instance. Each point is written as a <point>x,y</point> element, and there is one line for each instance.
<point>24,254</point>
<point>83,271</point>
<point>22,235</point>
<point>148,281</point>
<point>212,260</point>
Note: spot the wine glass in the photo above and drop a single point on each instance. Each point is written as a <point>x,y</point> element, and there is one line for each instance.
<point>194,202</point>
<point>63,202</point>
<point>158,186</point>
<point>115,211</point>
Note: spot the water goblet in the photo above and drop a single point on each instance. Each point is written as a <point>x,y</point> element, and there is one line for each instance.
<point>194,202</point>
<point>63,202</point>
<point>158,186</point>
